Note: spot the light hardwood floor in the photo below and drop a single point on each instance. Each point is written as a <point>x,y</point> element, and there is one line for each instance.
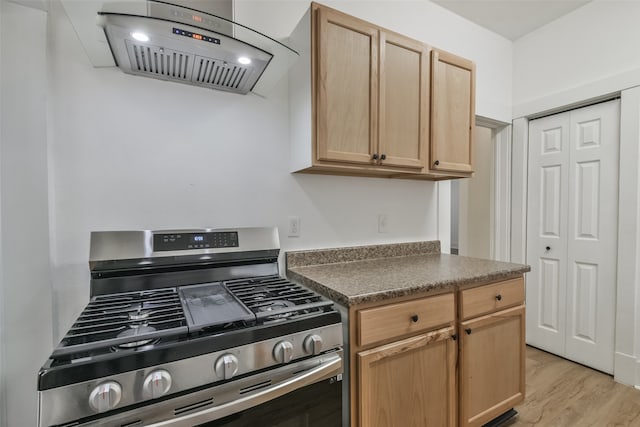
<point>564,394</point>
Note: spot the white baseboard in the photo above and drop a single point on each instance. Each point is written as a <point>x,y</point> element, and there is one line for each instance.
<point>624,369</point>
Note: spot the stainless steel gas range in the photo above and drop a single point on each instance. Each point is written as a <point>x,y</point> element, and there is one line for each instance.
<point>194,327</point>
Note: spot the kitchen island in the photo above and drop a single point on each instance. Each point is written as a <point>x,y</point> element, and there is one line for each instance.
<point>431,338</point>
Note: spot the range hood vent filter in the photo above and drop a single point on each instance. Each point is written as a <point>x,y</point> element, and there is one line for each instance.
<point>217,74</point>
<point>157,61</point>
<point>167,64</point>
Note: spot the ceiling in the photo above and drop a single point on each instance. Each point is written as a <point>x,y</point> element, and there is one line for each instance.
<point>511,18</point>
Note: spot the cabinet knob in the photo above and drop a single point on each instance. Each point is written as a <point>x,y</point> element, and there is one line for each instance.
<point>437,162</point>
<point>468,331</point>
<point>548,248</point>
<point>498,297</point>
<point>375,156</point>
<point>454,337</point>
<point>414,318</point>
<point>383,157</point>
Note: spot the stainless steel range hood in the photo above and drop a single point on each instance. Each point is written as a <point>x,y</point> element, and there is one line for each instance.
<point>180,43</point>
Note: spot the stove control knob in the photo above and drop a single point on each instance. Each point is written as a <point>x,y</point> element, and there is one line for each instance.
<point>226,366</point>
<point>313,344</point>
<point>156,384</point>
<point>105,396</point>
<point>283,352</point>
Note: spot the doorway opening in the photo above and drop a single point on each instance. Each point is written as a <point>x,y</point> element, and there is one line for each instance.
<point>471,202</point>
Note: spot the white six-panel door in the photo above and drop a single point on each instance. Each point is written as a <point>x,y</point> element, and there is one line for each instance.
<point>572,233</point>
<point>547,225</point>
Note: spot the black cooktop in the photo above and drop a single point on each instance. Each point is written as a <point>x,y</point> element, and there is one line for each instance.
<point>114,324</point>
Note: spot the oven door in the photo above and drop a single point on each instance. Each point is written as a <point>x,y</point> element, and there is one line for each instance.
<point>303,393</point>
<point>316,405</point>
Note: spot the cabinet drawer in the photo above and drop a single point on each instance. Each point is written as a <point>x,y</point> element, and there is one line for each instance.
<point>485,299</point>
<point>403,318</point>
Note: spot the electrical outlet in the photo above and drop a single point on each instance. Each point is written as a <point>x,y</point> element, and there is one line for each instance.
<point>383,223</point>
<point>294,226</point>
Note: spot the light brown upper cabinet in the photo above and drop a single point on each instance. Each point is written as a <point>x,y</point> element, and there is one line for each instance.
<point>453,113</point>
<point>359,97</point>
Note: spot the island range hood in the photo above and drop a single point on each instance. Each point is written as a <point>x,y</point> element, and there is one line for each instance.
<point>194,42</point>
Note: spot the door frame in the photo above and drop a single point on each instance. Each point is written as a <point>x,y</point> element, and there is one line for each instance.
<point>627,335</point>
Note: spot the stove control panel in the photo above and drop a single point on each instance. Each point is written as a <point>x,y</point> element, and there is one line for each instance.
<point>235,369</point>
<point>187,241</point>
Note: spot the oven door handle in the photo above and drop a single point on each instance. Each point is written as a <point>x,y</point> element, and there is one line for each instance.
<point>331,367</point>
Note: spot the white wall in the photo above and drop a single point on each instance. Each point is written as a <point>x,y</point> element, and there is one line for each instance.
<point>419,19</point>
<point>130,152</point>
<point>3,406</point>
<point>24,282</point>
<point>587,53</point>
<point>627,360</point>
<point>101,150</point>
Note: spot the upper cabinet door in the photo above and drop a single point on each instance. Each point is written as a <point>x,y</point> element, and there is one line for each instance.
<point>347,88</point>
<point>404,101</point>
<point>452,112</point>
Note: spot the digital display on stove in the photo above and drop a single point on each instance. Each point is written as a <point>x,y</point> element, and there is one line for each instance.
<point>189,241</point>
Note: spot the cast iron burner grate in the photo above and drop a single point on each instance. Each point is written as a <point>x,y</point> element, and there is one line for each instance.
<point>119,319</point>
<point>273,298</point>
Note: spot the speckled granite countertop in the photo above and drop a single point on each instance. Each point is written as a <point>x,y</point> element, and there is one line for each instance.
<point>356,275</point>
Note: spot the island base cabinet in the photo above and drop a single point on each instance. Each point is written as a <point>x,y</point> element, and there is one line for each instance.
<point>492,365</point>
<point>409,383</point>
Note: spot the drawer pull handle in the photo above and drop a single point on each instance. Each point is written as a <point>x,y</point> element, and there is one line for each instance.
<point>468,331</point>
<point>454,337</point>
<point>414,318</point>
<point>498,297</point>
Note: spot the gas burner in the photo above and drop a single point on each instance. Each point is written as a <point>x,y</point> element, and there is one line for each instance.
<point>275,305</point>
<point>139,315</point>
<point>134,330</point>
<point>280,309</point>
